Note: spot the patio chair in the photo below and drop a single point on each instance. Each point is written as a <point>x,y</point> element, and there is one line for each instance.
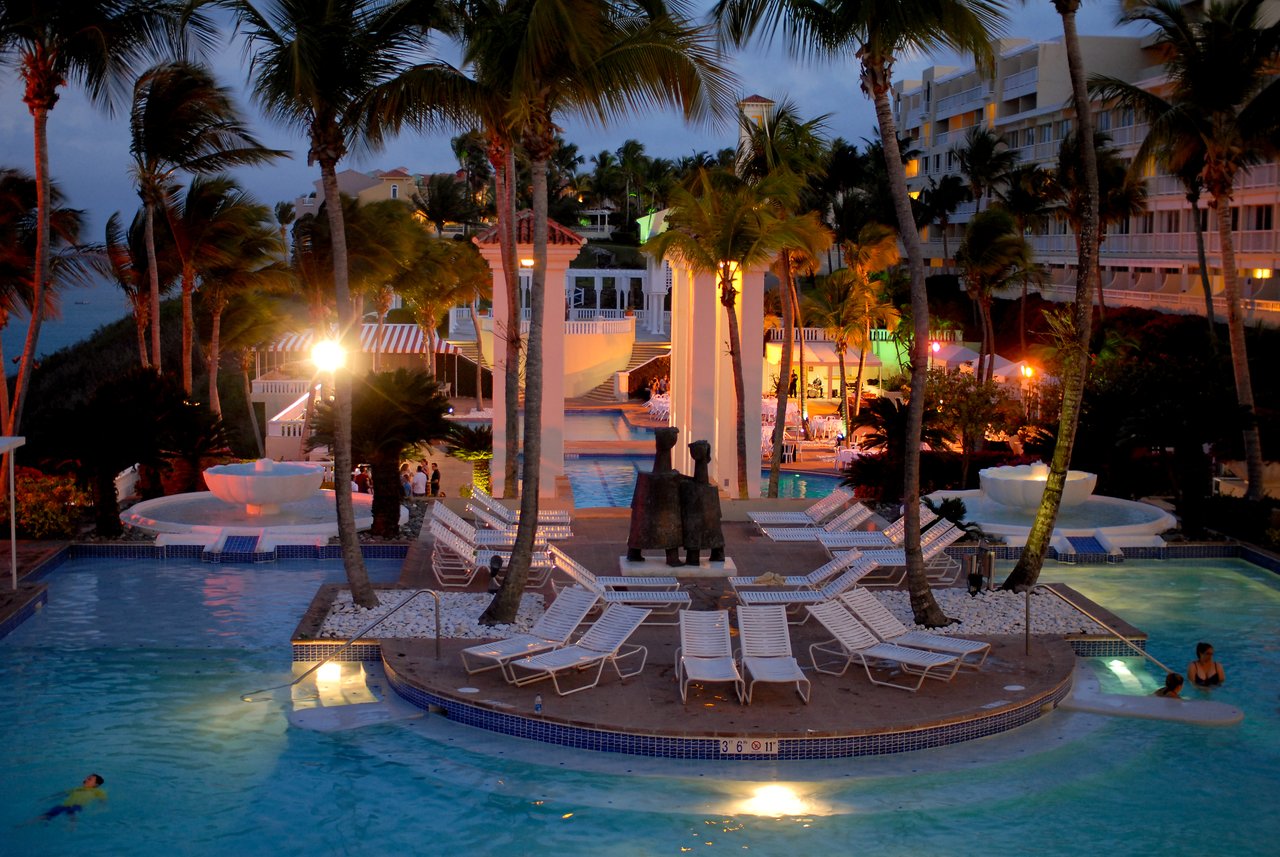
<point>543,533</point>
<point>480,538</point>
<point>456,561</point>
<point>604,643</point>
<point>512,516</point>
<point>766,650</point>
<point>810,517</point>
<point>792,600</point>
<point>844,523</point>
<point>552,630</point>
<point>939,567</point>
<point>813,580</point>
<point>662,595</point>
<point>890,537</point>
<point>706,653</point>
<point>870,612</point>
<point>853,641</point>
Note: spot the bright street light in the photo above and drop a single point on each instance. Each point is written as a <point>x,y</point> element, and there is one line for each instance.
<point>328,355</point>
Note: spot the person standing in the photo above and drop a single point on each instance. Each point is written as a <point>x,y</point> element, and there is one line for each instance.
<point>362,479</point>
<point>435,480</point>
<point>420,483</point>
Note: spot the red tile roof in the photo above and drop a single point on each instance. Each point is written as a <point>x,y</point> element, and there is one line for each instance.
<point>556,234</point>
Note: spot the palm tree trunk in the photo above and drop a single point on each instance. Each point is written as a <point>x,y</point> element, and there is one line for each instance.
<point>188,324</point>
<point>801,388</point>
<point>40,276</point>
<point>844,392</point>
<point>857,387</point>
<point>153,276</point>
<point>379,344</point>
<point>475,324</point>
<point>140,325</point>
<point>728,298</point>
<point>253,413</point>
<point>505,604</point>
<point>362,592</point>
<point>387,494</point>
<point>1239,353</point>
<point>1102,302</point>
<point>876,80</point>
<point>784,378</point>
<point>215,358</point>
<point>942,222</point>
<point>1075,363</point>
<point>1193,197</point>
<point>504,177</point>
<point>1022,322</point>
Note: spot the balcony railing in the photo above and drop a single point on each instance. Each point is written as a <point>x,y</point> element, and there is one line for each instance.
<point>952,104</point>
<point>288,387</point>
<point>1023,81</point>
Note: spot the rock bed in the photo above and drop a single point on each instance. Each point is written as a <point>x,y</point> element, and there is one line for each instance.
<point>995,612</point>
<point>458,616</point>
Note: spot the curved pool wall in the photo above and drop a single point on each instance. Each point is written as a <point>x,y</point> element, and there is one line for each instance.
<point>102,680</point>
<point>1111,516</point>
<point>201,512</point>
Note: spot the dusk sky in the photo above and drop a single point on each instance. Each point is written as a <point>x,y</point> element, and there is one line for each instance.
<point>88,149</point>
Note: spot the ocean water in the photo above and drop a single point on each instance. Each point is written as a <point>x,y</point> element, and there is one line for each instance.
<point>83,311</point>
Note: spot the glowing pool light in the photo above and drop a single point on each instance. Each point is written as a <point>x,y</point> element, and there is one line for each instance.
<point>774,800</point>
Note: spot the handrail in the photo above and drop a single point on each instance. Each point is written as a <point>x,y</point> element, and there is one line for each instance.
<point>248,697</point>
<point>1065,600</point>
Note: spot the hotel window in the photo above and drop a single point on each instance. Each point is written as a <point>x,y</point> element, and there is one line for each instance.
<point>1064,128</point>
<point>1104,120</point>
<point>937,163</point>
<point>1146,223</point>
<point>395,191</point>
<point>1170,221</point>
<point>1045,133</point>
<point>1259,219</point>
<point>1126,118</point>
<point>951,160</point>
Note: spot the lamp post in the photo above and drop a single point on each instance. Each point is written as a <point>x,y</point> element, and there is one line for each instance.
<point>934,348</point>
<point>329,356</point>
<point>1028,374</point>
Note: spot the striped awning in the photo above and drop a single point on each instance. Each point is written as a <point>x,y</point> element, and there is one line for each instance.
<point>395,339</point>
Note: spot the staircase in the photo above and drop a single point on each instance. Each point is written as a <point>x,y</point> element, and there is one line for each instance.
<point>641,352</point>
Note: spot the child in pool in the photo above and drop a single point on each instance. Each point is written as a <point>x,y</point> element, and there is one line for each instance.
<point>1172,687</point>
<point>89,791</point>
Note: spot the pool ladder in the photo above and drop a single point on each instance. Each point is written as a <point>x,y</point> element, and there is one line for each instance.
<point>249,697</point>
<point>1074,606</point>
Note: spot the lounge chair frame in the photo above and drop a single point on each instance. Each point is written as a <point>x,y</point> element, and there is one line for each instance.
<point>852,641</point>
<point>766,650</point>
<point>604,643</point>
<point>551,630</point>
<point>706,652</point>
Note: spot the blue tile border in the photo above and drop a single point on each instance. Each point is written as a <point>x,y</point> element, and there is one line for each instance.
<point>673,747</point>
<point>28,610</point>
<point>93,550</point>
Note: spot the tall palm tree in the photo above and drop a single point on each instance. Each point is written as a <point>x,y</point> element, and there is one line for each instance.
<point>285,215</point>
<point>985,161</point>
<point>314,68</point>
<point>182,120</point>
<point>876,33</point>
<point>941,199</point>
<point>1220,111</point>
<point>728,227</point>
<point>124,262</point>
<point>1075,351</point>
<point>444,199</point>
<point>992,256</point>
<point>1027,195</point>
<point>874,251</point>
<point>95,44</point>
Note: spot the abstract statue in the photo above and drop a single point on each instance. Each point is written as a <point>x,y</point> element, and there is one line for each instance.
<point>700,509</point>
<point>655,505</point>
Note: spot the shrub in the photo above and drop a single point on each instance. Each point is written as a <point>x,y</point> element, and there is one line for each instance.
<point>48,507</point>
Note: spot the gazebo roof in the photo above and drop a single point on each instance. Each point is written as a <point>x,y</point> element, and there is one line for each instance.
<point>756,99</point>
<point>556,234</point>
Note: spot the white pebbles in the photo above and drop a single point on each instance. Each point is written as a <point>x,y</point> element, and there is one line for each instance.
<point>459,616</point>
<point>996,612</point>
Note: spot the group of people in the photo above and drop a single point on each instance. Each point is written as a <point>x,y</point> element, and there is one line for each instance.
<point>815,387</point>
<point>416,485</point>
<point>660,386</point>
<point>1204,672</point>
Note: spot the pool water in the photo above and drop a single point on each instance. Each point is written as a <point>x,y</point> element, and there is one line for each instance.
<point>608,480</point>
<point>602,425</point>
<point>135,668</point>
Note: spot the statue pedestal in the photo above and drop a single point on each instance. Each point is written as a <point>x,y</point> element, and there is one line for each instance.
<point>655,565</point>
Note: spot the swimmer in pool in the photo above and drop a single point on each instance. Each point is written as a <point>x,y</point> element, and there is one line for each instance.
<point>89,791</point>
<point>1172,687</point>
<point>1204,671</point>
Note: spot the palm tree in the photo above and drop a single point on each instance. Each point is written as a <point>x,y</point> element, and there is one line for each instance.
<point>474,444</point>
<point>253,319</point>
<point>314,67</point>
<point>876,34</point>
<point>874,251</point>
<point>1219,113</point>
<point>95,44</point>
<point>985,160</point>
<point>887,424</point>
<point>392,412</point>
<point>285,215</point>
<point>1027,195</point>
<point>124,262</point>
<point>1075,352</point>
<point>182,121</point>
<point>727,227</point>
<point>941,199</point>
<point>993,255</point>
<point>443,200</point>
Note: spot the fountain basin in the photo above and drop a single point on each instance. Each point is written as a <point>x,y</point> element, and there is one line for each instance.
<point>263,486</point>
<point>1123,521</point>
<point>202,513</point>
<point>1021,486</point>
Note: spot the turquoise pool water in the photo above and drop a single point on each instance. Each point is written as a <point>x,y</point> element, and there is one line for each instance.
<point>135,668</point>
<point>609,480</point>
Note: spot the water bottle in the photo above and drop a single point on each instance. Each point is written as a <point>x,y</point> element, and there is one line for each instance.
<point>537,704</point>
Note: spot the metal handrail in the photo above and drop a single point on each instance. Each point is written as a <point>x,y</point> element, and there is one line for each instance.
<point>248,697</point>
<point>1065,600</point>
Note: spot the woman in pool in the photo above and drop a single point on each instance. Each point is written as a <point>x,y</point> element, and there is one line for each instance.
<point>1172,687</point>
<point>1204,671</point>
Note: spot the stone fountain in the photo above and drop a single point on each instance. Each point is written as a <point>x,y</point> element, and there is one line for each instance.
<point>262,486</point>
<point>1022,485</point>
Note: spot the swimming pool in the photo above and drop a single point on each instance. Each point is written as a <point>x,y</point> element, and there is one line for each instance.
<point>609,480</point>
<point>134,671</point>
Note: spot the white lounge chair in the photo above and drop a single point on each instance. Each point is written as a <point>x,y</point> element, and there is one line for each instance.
<point>604,643</point>
<point>456,561</point>
<point>552,630</point>
<point>844,523</point>
<point>890,537</point>
<point>661,595</point>
<point>766,650</point>
<point>512,516</point>
<point>794,599</point>
<point>543,532</point>
<point>813,580</point>
<point>480,538</point>
<point>810,517</point>
<point>870,612</point>
<point>852,641</point>
<point>939,567</point>
<point>706,653</point>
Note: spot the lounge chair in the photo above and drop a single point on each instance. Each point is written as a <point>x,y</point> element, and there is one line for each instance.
<point>890,537</point>
<point>939,567</point>
<point>604,643</point>
<point>662,595</point>
<point>480,538</point>
<point>511,516</point>
<point>543,532</point>
<point>852,641</point>
<point>706,653</point>
<point>870,612</point>
<point>766,650</point>
<point>810,517</point>
<point>456,561</point>
<point>844,523</point>
<point>813,580</point>
<point>552,630</point>
<point>794,599</point>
